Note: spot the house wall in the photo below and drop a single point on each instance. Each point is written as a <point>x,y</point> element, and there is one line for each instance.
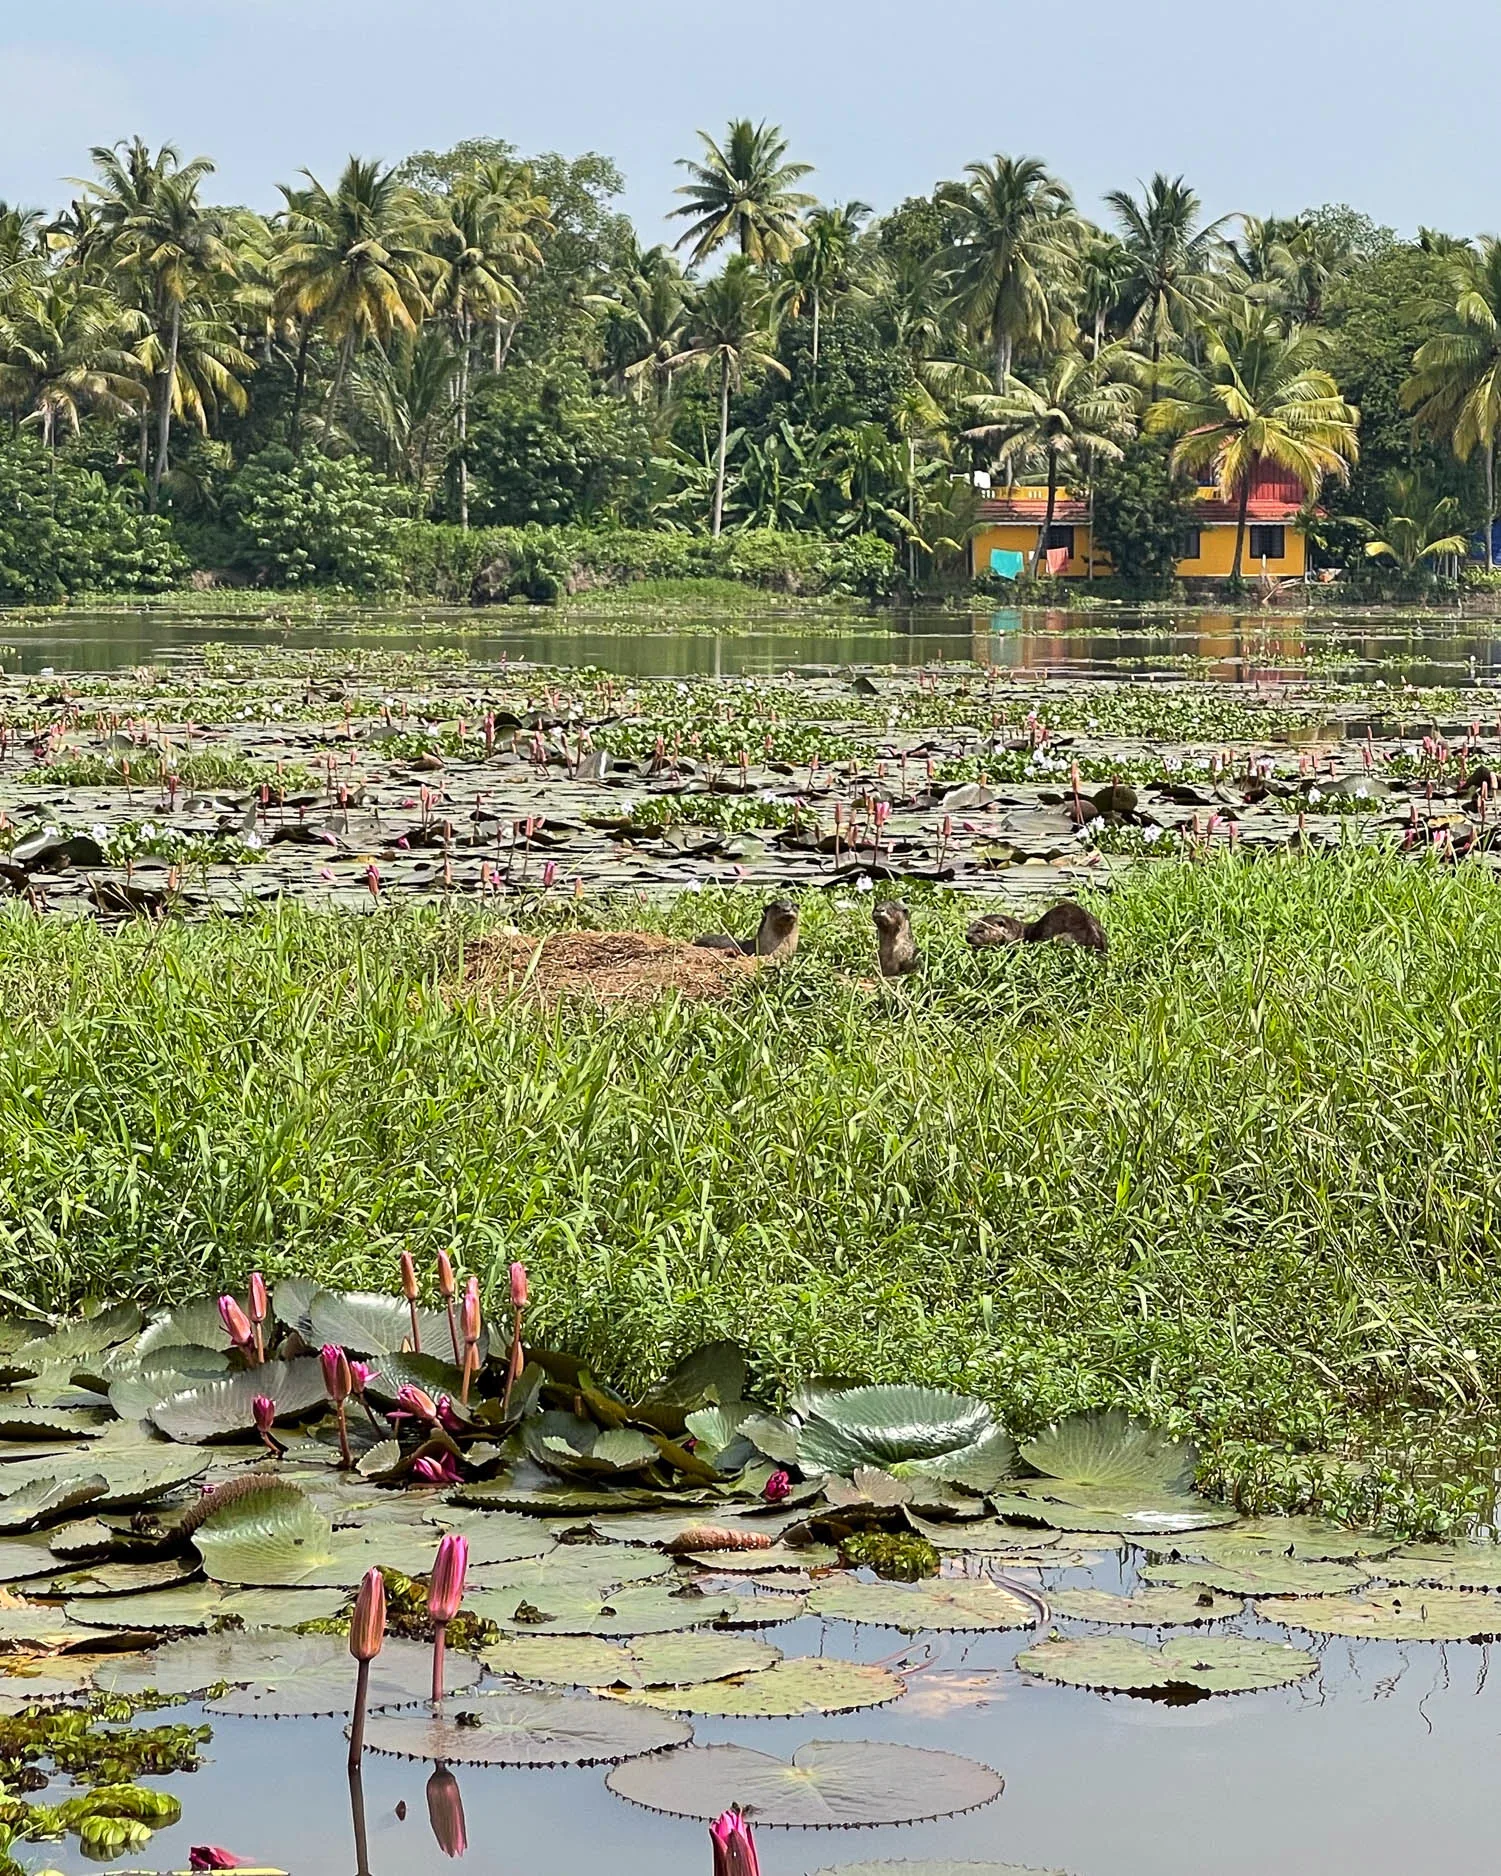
<point>1214,561</point>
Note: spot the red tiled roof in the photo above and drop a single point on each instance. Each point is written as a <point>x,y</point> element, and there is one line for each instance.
<point>1207,512</point>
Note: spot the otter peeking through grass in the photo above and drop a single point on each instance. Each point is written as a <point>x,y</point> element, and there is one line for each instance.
<point>1064,924</point>
<point>775,941</point>
<point>893,922</point>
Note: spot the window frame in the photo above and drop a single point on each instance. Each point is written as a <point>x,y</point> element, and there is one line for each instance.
<point>1066,529</point>
<point>1262,529</point>
<point>1191,544</point>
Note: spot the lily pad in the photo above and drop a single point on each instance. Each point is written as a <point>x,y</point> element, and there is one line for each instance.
<point>1306,1540</point>
<point>1140,1522</point>
<point>1228,1664</point>
<point>778,1557</point>
<point>1111,1449</point>
<point>216,1410</point>
<point>791,1689</point>
<point>644,1609</point>
<point>670,1527</point>
<point>828,1784</point>
<point>672,1660</point>
<point>943,1603</point>
<point>983,1534</point>
<point>1268,1576</point>
<point>901,1429</point>
<point>581,1569</point>
<point>1149,1608</point>
<point>365,1323</point>
<point>527,1728</point>
<point>276,1676</point>
<point>191,1325</point>
<point>1445,1566</point>
<point>122,1579</point>
<point>201,1605</point>
<point>34,1625</point>
<point>1391,1615</point>
<point>48,1496</point>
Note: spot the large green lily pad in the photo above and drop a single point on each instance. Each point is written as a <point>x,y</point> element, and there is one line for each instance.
<point>527,1728</point>
<point>35,1625</point>
<point>1263,1576</point>
<point>940,1604</point>
<point>191,1325</point>
<point>581,1569</point>
<point>365,1323</point>
<point>200,1605</point>
<point>125,1578</point>
<point>276,1676</point>
<point>1445,1566</point>
<point>1304,1540</point>
<point>1391,1615</point>
<point>670,1527</point>
<point>643,1609</point>
<point>903,1429</point>
<point>217,1410</point>
<point>981,1534</point>
<point>1148,1608</point>
<point>778,1557</point>
<point>828,1784</point>
<point>1111,1450</point>
<point>682,1659</point>
<point>47,1496</point>
<point>1139,1522</point>
<point>792,1689</point>
<point>1227,1664</point>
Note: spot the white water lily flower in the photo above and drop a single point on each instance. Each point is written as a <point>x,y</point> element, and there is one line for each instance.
<point>1150,836</point>
<point>864,883</point>
<point>1315,794</point>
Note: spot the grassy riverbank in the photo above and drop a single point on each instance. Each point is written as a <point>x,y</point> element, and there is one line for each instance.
<point>1242,1176</point>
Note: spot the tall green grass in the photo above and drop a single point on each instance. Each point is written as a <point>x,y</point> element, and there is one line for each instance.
<point>1242,1175</point>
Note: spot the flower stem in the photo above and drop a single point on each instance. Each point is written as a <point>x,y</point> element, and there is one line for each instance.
<point>440,1639</point>
<point>453,1333</point>
<point>416,1332</point>
<point>346,1458</point>
<point>357,1724</point>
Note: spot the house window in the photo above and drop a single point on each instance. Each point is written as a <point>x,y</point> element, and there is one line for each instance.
<point>1061,537</point>
<point>1190,547</point>
<point>1268,543</point>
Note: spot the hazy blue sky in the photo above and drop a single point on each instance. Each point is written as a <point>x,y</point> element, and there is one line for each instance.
<point>1269,107</point>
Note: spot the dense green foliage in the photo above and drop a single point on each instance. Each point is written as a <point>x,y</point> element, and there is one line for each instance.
<point>1141,513</point>
<point>485,334</point>
<point>1229,1177</point>
<point>64,530</point>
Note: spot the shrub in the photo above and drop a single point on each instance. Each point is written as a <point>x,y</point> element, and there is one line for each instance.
<point>1141,513</point>
<point>64,530</point>
<point>314,520</point>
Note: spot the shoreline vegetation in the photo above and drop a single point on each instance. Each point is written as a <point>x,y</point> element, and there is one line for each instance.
<point>1233,1179</point>
<point>460,375</point>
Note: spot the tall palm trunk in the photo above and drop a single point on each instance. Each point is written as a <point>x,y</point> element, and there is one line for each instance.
<point>299,385</point>
<point>724,432</point>
<point>1002,359</point>
<point>817,319</point>
<point>1490,506</point>
<point>164,411</point>
<point>1047,525</point>
<point>464,420</point>
<point>1236,571</point>
<point>346,352</point>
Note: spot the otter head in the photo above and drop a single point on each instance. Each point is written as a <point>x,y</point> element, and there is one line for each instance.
<point>890,915</point>
<point>779,917</point>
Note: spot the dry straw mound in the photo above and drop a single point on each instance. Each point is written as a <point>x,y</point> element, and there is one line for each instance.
<point>610,967</point>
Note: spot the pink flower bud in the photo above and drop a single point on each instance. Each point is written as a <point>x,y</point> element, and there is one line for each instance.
<point>367,1626</point>
<point>518,1286</point>
<point>776,1488</point>
<point>414,1400</point>
<point>408,1277</point>
<point>359,1376</point>
<point>264,1410</point>
<point>258,1302</point>
<point>446,1593</point>
<point>446,1285</point>
<point>734,1846</point>
<point>236,1323</point>
<point>337,1380</point>
<point>472,1318</point>
<point>437,1471</point>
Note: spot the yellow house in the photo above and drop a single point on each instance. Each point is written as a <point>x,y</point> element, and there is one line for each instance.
<point>1011,520</point>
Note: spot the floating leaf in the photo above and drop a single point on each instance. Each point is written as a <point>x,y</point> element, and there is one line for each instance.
<point>828,1784</point>
<point>983,1534</point>
<point>561,1500</point>
<point>277,1676</point>
<point>136,1388</point>
<point>938,1866</point>
<point>944,1603</point>
<point>391,1373</point>
<point>1265,1576</point>
<point>897,1427</point>
<point>716,1429</point>
<point>1228,1664</point>
<point>22,1425</point>
<point>579,1449</point>
<point>646,1609</point>
<point>34,1625</point>
<point>711,1376</point>
<point>22,1558</point>
<point>581,1569</point>
<point>191,1325</point>
<point>1137,1523</point>
<point>48,1496</point>
<point>122,1579</point>
<point>200,1605</point>
<point>1307,1540</point>
<point>216,1410</point>
<point>365,1323</point>
<point>791,1689</point>
<point>778,1557</point>
<point>1392,1615</point>
<point>868,1488</point>
<point>1149,1608</point>
<point>671,1660</point>
<point>129,1484</point>
<point>1446,1566</point>
<point>525,1728</point>
<point>668,1528</point>
<point>1108,1448</point>
<point>273,1534</point>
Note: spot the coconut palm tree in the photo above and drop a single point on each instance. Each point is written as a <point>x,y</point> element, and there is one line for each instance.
<point>1012,223</point>
<point>646,319</point>
<point>1455,387</point>
<point>1172,260</point>
<point>356,261</point>
<point>1074,416</point>
<point>204,371</point>
<point>61,355</point>
<point>820,267</point>
<point>148,220</point>
<point>732,331</point>
<point>1260,395</point>
<point>1105,273</point>
<point>1420,528</point>
<point>401,403</point>
<point>743,191</point>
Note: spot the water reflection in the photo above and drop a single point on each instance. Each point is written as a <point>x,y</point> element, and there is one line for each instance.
<point>445,1812</point>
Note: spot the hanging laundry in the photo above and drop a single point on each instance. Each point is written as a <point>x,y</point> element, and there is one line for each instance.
<point>1006,563</point>
<point>1057,560</point>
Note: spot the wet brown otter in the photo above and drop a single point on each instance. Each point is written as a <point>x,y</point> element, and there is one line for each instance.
<point>893,922</point>
<point>775,941</point>
<point>1064,924</point>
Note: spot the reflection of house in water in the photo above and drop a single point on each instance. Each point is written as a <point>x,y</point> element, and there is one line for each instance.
<point>1011,519</point>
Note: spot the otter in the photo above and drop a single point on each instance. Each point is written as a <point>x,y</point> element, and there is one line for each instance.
<point>775,941</point>
<point>893,922</point>
<point>1064,924</point>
